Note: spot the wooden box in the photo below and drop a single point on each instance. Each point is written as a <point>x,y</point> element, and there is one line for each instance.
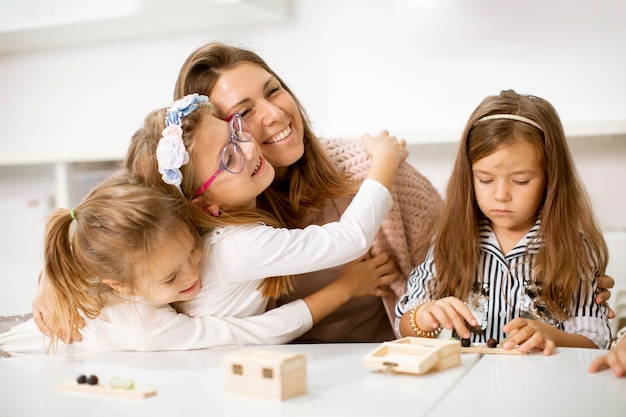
<point>415,355</point>
<point>277,375</point>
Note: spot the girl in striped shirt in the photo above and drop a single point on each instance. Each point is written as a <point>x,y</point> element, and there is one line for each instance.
<point>517,247</point>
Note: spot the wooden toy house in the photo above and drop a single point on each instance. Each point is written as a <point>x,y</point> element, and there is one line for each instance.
<point>415,355</point>
<point>277,375</point>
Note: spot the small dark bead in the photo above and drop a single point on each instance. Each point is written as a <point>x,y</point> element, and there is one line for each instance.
<point>492,343</point>
<point>466,342</point>
<point>81,379</point>
<point>92,380</point>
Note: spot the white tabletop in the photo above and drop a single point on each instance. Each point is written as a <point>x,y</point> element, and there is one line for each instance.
<point>191,384</point>
<point>536,385</point>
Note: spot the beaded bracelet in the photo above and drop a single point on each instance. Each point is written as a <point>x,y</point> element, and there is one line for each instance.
<point>419,332</point>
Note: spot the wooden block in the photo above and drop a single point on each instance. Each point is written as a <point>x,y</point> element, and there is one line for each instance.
<point>449,351</point>
<point>277,375</point>
<point>401,358</point>
<point>102,389</point>
<point>491,351</point>
<point>414,355</point>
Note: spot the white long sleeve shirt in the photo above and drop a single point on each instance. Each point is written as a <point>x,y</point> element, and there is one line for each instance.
<point>238,316</point>
<point>139,325</point>
<point>238,258</point>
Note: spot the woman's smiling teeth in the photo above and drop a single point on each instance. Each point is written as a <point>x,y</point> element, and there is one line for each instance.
<point>279,137</point>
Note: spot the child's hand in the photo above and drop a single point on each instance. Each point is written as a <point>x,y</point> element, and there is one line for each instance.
<point>614,359</point>
<point>387,154</point>
<point>385,146</point>
<point>528,334</point>
<point>369,276</point>
<point>450,312</point>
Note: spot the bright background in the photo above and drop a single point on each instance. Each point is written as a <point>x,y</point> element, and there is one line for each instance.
<point>78,76</point>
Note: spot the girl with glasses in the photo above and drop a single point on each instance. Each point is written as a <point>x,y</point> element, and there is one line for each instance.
<point>517,249</point>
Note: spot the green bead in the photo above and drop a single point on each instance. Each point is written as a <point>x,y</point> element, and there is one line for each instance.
<point>129,383</point>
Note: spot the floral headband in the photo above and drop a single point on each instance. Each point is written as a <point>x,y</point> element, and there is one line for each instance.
<point>171,152</point>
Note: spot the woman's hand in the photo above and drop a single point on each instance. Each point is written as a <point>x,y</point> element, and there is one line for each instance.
<point>369,276</point>
<point>357,279</point>
<point>604,283</point>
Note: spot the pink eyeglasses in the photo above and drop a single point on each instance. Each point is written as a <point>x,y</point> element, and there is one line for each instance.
<point>232,158</point>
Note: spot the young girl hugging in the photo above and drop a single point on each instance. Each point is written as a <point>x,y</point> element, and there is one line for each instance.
<point>517,248</point>
<point>118,260</point>
<point>218,166</point>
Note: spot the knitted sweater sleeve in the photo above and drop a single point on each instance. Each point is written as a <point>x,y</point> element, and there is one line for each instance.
<point>407,230</point>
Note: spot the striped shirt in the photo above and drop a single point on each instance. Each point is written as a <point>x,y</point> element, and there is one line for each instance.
<point>505,289</point>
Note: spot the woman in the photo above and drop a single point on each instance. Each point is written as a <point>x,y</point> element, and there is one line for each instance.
<point>315,182</point>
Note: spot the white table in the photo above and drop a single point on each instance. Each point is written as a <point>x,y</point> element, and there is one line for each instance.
<point>535,385</point>
<point>191,384</point>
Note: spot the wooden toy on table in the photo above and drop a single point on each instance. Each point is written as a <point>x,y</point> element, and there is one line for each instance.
<point>102,389</point>
<point>277,375</point>
<point>415,355</point>
<point>491,350</point>
<point>491,347</point>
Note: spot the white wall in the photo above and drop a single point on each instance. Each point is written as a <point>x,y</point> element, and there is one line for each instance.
<point>359,65</point>
<point>416,67</point>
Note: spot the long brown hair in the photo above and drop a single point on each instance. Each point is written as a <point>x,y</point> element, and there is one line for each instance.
<point>141,160</point>
<point>111,235</point>
<point>572,242</point>
<point>300,190</point>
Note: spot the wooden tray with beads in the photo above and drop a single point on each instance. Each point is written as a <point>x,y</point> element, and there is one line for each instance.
<point>491,350</point>
<point>102,389</point>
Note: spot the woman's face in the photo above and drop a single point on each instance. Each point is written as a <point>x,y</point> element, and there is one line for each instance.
<point>269,109</point>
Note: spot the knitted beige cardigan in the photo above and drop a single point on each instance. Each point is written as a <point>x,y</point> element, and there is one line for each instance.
<point>407,230</point>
